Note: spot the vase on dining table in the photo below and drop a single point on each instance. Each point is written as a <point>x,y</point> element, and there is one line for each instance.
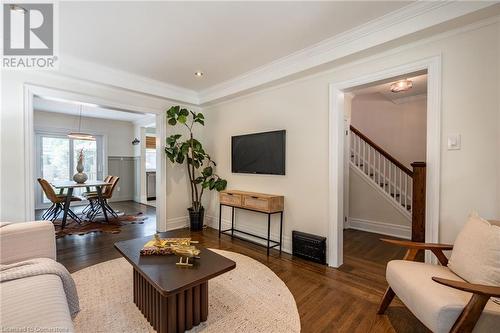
<point>80,177</point>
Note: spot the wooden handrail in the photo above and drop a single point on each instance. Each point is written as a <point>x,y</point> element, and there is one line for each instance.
<point>418,202</point>
<point>382,151</point>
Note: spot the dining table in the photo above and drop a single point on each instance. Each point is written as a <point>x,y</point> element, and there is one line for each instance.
<point>71,185</point>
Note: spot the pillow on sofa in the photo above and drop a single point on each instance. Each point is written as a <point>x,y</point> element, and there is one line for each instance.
<point>476,252</point>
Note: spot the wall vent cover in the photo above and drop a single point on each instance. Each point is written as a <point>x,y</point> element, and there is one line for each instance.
<point>309,246</point>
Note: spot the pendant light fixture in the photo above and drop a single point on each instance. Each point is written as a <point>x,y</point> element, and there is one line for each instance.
<point>79,135</point>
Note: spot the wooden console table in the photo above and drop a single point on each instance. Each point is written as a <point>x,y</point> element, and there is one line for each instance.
<point>257,202</point>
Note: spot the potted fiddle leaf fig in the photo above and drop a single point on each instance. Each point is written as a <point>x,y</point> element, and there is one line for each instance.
<point>200,167</point>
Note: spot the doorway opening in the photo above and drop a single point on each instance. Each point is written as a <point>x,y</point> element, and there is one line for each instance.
<point>385,150</point>
<point>108,155</point>
<point>147,167</point>
<point>353,150</point>
<point>109,152</point>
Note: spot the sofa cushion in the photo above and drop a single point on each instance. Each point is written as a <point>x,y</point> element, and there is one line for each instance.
<point>476,252</point>
<point>435,305</point>
<point>35,304</point>
<point>26,240</point>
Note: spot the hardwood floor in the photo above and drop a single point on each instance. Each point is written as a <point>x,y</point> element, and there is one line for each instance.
<point>328,299</point>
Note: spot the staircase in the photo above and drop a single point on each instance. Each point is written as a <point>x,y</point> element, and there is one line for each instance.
<point>403,187</point>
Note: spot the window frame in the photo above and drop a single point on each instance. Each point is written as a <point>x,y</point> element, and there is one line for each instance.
<point>101,158</point>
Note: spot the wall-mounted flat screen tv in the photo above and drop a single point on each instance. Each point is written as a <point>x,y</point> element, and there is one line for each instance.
<point>260,153</point>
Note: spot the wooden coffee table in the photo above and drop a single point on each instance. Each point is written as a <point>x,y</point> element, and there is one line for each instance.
<point>172,298</point>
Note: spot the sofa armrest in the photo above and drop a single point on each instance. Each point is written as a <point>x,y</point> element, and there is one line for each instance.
<point>27,240</point>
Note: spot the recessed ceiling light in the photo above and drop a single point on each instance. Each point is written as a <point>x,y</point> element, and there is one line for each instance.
<point>402,85</point>
<point>199,74</point>
<point>17,8</point>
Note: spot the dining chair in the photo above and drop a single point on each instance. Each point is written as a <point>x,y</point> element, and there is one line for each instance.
<point>107,193</point>
<point>89,209</point>
<point>58,201</point>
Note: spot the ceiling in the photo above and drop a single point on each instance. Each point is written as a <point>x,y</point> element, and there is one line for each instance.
<point>419,88</point>
<point>169,41</point>
<point>73,108</point>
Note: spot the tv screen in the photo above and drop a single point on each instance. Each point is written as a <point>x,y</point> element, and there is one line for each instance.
<point>261,153</point>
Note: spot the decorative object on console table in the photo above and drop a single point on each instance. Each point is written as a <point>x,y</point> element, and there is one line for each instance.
<point>258,202</point>
<point>309,246</point>
<point>191,152</point>
<point>80,177</point>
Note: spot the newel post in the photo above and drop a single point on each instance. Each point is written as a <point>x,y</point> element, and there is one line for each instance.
<point>418,202</point>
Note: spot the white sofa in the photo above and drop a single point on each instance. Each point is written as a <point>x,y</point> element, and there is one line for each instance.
<point>37,303</point>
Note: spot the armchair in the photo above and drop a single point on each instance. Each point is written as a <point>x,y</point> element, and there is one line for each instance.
<point>439,296</point>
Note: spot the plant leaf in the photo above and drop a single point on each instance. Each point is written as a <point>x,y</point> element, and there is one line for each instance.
<point>207,172</point>
<point>171,112</point>
<point>185,148</point>
<point>221,185</point>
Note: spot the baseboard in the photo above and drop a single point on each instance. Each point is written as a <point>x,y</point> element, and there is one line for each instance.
<point>213,222</point>
<point>383,228</point>
<point>177,223</point>
<point>118,199</point>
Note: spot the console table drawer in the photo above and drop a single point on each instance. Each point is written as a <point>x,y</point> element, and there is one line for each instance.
<point>230,199</point>
<point>253,202</point>
<point>265,203</point>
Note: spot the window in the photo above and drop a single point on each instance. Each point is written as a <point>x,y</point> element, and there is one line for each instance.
<point>150,159</point>
<point>57,157</point>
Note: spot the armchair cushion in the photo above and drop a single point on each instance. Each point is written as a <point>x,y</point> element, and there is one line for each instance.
<point>476,253</point>
<point>435,305</point>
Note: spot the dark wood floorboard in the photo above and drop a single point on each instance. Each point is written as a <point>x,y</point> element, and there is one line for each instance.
<point>328,299</point>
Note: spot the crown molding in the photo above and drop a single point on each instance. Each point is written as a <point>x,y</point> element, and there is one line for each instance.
<point>84,70</point>
<point>407,20</point>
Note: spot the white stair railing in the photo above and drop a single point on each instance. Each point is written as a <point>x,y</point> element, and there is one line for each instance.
<point>392,178</point>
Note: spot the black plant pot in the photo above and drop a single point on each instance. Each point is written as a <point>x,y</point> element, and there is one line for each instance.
<point>196,219</point>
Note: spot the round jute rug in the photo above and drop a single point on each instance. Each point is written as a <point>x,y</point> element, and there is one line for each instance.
<point>250,298</point>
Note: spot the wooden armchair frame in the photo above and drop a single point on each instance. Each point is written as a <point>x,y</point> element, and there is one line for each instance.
<point>480,293</point>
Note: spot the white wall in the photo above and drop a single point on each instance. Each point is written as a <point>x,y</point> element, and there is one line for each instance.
<point>498,132</point>
<point>400,129</point>
<point>469,107</point>
<point>367,204</point>
<point>119,134</point>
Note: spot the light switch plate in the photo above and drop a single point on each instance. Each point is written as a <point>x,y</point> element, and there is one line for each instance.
<point>454,142</point>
